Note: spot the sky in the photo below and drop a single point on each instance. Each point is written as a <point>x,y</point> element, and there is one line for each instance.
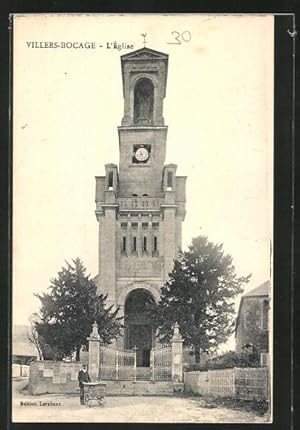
<point>68,103</point>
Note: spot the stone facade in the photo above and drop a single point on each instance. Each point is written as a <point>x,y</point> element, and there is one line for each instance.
<point>252,325</point>
<point>140,204</point>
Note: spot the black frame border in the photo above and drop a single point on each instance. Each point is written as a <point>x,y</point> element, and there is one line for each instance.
<point>284,164</point>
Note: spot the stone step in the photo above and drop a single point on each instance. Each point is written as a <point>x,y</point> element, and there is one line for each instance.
<point>143,373</point>
<point>141,388</point>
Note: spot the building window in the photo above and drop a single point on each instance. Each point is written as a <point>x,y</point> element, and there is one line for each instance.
<point>110,180</point>
<point>124,225</point>
<point>155,225</point>
<point>134,225</point>
<point>124,244</point>
<point>145,244</point>
<point>155,244</point>
<point>144,225</point>
<point>134,244</point>
<point>170,181</point>
<point>265,311</point>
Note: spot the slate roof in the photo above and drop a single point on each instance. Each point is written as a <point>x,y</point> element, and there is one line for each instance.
<point>261,290</point>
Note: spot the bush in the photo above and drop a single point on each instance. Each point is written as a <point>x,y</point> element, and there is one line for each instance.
<point>259,407</point>
<point>227,361</point>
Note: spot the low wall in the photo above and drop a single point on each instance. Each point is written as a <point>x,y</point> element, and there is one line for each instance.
<point>241,383</point>
<point>20,370</point>
<point>53,377</point>
<point>60,377</point>
<point>196,382</point>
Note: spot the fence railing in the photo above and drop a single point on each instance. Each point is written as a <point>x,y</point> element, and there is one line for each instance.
<point>161,363</point>
<point>117,364</point>
<point>241,383</point>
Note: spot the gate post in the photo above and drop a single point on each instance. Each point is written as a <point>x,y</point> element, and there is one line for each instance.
<point>117,364</point>
<point>152,364</point>
<point>134,363</point>
<point>94,352</point>
<point>177,342</point>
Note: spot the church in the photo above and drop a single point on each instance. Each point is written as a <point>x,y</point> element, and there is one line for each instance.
<point>140,203</point>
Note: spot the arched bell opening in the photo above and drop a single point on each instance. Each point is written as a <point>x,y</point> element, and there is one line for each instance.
<point>143,102</point>
<point>139,331</point>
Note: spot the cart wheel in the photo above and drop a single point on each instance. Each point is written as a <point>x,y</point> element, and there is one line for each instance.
<point>87,400</point>
<point>101,401</point>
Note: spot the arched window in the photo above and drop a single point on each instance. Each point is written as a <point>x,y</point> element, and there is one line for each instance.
<point>143,102</point>
<point>110,181</point>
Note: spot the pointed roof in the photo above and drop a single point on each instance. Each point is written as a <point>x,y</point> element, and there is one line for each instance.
<point>144,54</point>
<point>261,290</point>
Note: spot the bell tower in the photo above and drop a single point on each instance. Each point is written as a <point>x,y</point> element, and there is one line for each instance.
<point>140,204</point>
<point>142,135</point>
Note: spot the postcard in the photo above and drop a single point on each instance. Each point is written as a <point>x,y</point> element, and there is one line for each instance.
<point>142,218</point>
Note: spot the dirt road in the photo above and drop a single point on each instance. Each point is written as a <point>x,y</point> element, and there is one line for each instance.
<point>66,408</point>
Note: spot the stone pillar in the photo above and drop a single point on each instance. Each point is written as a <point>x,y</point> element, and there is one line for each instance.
<point>169,238</point>
<point>139,237</point>
<point>129,236</point>
<point>177,342</point>
<point>94,353</point>
<point>150,236</point>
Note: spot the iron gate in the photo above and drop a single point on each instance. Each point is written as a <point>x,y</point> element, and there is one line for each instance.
<point>117,365</point>
<point>161,363</point>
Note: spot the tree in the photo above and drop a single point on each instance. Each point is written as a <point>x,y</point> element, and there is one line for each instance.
<point>199,295</point>
<point>33,336</point>
<point>69,310</point>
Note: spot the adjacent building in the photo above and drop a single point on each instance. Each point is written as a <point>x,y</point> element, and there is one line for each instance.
<point>252,324</point>
<point>23,351</point>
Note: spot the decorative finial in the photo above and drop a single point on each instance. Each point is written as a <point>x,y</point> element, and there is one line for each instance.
<point>176,333</point>
<point>144,41</point>
<point>95,333</point>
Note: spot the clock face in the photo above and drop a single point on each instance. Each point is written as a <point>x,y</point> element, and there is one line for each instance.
<point>141,154</point>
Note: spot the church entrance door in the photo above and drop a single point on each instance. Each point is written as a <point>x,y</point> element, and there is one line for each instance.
<point>138,328</point>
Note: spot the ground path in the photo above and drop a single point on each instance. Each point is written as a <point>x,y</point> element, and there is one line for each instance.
<point>123,409</point>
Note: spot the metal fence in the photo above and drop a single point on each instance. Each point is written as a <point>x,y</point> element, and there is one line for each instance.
<point>117,365</point>
<point>161,363</point>
<point>126,365</point>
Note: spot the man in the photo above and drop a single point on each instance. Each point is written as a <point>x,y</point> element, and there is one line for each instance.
<point>83,376</point>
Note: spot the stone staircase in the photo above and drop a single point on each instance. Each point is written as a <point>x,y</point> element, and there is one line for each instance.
<point>138,388</point>
<point>143,386</point>
<point>143,373</point>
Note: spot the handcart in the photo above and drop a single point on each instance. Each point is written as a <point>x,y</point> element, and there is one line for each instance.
<point>93,393</point>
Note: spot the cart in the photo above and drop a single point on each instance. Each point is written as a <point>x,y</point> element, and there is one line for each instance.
<point>93,393</point>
